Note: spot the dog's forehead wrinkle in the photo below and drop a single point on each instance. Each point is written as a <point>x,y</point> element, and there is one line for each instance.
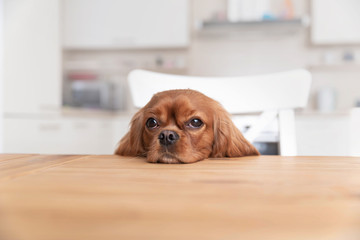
<point>183,107</point>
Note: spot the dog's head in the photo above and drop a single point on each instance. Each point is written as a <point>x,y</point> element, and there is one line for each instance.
<point>183,126</point>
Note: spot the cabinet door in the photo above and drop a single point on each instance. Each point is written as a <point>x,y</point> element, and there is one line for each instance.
<point>333,22</point>
<point>23,135</point>
<point>87,136</point>
<point>323,135</point>
<point>125,24</point>
<point>355,132</point>
<point>58,136</point>
<point>32,56</point>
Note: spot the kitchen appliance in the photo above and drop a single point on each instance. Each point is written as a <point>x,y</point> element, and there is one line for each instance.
<point>93,94</point>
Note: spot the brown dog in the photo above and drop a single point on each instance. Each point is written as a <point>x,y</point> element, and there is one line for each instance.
<point>183,126</point>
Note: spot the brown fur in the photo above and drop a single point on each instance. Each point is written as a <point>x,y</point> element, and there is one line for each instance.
<point>218,137</point>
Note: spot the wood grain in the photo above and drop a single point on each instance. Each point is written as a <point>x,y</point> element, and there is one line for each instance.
<point>17,165</point>
<point>111,197</point>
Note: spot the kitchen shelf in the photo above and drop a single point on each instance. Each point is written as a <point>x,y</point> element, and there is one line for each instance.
<point>335,67</point>
<point>244,29</point>
<point>298,22</point>
<point>179,71</point>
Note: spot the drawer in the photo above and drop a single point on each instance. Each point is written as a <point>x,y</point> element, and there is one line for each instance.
<point>32,136</point>
<point>58,136</point>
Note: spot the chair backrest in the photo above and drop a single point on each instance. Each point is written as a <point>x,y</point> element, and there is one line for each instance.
<point>275,95</point>
<point>246,94</point>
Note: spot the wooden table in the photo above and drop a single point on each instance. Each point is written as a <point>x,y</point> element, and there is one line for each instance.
<point>45,197</point>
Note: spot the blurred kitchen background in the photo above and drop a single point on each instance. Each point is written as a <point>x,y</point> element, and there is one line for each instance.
<point>64,64</point>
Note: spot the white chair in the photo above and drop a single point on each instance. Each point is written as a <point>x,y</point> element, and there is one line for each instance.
<point>272,95</point>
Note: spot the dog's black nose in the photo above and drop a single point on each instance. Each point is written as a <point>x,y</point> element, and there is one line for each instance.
<point>168,137</point>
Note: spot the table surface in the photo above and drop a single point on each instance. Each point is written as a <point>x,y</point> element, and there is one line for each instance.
<point>62,197</point>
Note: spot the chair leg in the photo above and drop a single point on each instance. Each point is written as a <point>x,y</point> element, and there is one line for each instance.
<point>287,134</point>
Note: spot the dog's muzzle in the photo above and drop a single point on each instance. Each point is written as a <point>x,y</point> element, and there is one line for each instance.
<point>168,137</point>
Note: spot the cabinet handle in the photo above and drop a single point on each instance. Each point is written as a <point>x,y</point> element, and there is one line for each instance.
<point>81,125</point>
<point>49,127</point>
<point>49,108</point>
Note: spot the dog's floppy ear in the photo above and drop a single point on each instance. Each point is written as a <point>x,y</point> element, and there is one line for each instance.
<point>228,140</point>
<point>131,144</point>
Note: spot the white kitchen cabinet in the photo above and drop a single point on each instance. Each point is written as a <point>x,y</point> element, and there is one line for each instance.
<point>355,132</point>
<point>87,136</point>
<point>323,134</point>
<point>32,56</point>
<point>125,24</point>
<point>333,22</point>
<point>31,135</point>
<point>67,135</point>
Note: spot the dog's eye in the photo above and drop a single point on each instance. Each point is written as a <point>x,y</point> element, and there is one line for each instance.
<point>152,123</point>
<point>195,123</point>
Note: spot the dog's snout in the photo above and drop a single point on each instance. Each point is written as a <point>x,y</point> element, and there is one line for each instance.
<point>168,137</point>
